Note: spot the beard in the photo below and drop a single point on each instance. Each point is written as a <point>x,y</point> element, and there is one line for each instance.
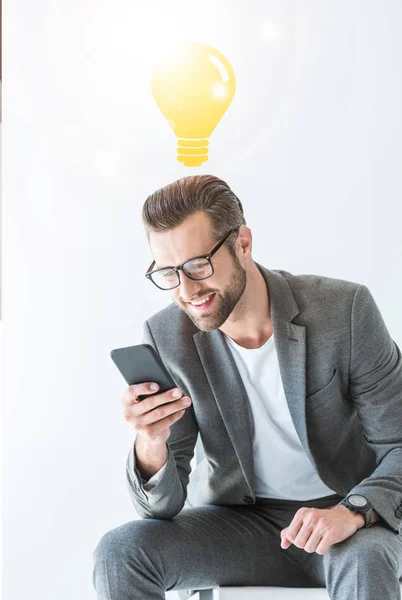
<point>223,302</point>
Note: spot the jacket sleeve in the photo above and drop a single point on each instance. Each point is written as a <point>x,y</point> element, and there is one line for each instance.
<point>152,481</point>
<point>166,498</point>
<point>375,386</point>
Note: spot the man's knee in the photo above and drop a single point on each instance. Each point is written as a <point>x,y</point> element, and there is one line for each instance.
<point>122,541</point>
<point>123,555</point>
<point>371,547</point>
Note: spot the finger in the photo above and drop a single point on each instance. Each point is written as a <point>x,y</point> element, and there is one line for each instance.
<point>158,399</point>
<point>155,430</point>
<point>285,543</point>
<point>313,541</point>
<point>162,411</point>
<point>293,530</point>
<point>323,546</point>
<point>133,391</point>
<point>297,523</point>
<point>303,535</point>
<point>148,404</point>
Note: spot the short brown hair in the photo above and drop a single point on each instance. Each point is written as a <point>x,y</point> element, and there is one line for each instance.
<point>169,206</point>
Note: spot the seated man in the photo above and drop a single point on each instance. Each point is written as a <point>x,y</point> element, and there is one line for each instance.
<point>295,386</point>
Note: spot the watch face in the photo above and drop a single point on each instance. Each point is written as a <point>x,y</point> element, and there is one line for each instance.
<point>357,500</point>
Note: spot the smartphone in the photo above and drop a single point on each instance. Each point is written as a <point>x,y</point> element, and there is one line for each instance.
<point>139,364</point>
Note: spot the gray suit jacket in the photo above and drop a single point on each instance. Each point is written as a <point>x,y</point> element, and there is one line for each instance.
<point>342,377</point>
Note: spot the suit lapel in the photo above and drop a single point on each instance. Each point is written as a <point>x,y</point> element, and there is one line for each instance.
<point>230,395</point>
<point>226,383</point>
<point>290,343</point>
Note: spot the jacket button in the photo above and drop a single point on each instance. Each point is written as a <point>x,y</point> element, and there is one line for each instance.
<point>398,513</point>
<point>248,500</point>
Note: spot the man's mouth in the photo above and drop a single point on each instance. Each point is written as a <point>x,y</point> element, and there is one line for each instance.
<point>204,303</point>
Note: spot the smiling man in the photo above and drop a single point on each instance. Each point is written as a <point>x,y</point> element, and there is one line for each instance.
<point>295,387</point>
<point>208,308</point>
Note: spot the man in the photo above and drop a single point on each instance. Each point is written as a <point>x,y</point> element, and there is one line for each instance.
<point>295,387</point>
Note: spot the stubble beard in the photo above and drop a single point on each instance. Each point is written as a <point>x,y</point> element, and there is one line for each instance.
<point>223,303</point>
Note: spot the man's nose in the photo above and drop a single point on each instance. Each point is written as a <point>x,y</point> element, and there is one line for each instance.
<point>188,287</point>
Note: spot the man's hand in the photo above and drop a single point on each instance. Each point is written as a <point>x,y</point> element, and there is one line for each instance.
<point>316,529</point>
<point>153,416</point>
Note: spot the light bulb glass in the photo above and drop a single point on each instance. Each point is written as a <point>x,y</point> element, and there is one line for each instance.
<point>193,87</point>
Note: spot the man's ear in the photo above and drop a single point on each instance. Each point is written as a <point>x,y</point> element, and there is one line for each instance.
<point>245,239</point>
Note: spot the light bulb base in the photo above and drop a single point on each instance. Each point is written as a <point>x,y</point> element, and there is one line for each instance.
<point>192,153</point>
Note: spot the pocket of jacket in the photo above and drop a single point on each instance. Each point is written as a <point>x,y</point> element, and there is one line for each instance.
<point>323,395</point>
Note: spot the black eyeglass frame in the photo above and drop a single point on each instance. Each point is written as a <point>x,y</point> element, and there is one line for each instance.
<point>208,256</point>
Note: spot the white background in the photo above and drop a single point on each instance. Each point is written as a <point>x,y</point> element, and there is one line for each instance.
<point>311,144</point>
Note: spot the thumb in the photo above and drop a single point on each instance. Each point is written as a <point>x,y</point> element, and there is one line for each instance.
<point>285,543</point>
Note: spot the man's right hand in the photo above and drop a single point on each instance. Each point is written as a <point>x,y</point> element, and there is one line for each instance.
<point>153,416</point>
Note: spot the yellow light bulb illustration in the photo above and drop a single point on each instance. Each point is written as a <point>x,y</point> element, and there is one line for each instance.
<point>193,87</point>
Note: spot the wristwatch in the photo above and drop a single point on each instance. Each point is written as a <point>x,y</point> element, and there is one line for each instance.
<point>361,505</point>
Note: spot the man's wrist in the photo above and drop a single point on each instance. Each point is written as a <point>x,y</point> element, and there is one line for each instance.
<point>357,518</point>
<point>149,457</point>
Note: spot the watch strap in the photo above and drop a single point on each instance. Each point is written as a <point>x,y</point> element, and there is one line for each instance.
<point>367,513</point>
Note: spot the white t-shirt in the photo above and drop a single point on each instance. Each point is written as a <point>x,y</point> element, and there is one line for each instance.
<point>281,466</point>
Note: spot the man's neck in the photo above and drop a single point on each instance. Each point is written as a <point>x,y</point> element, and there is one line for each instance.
<point>250,325</point>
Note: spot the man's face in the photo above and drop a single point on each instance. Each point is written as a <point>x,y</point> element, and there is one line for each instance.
<point>223,289</point>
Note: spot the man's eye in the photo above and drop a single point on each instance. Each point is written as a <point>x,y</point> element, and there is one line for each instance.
<point>168,274</point>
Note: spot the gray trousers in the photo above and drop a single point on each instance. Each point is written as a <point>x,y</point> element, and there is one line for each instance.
<point>211,545</point>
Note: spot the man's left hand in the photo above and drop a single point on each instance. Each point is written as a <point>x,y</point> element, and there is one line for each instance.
<point>316,529</point>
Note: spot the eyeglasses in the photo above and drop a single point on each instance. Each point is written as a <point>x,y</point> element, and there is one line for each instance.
<point>196,268</point>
